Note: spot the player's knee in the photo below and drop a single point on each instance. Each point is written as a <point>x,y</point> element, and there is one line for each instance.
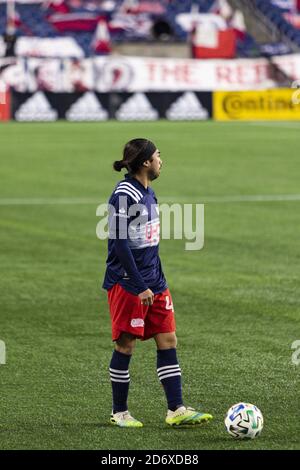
<point>172,340</point>
<point>166,341</point>
<point>128,350</point>
<point>125,344</point>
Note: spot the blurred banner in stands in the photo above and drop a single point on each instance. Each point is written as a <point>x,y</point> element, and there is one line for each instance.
<point>91,106</point>
<point>132,74</point>
<point>5,104</point>
<point>221,44</point>
<point>275,104</point>
<point>267,105</point>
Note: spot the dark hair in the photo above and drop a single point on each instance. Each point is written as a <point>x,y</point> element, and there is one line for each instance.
<point>135,153</point>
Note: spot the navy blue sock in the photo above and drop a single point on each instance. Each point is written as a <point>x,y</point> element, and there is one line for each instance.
<point>119,376</point>
<point>169,374</point>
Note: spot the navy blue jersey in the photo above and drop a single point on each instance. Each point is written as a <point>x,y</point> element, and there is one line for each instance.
<point>133,259</point>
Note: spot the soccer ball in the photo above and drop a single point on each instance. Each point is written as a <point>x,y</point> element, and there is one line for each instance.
<point>244,421</point>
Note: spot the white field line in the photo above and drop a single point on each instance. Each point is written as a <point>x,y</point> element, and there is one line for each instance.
<point>170,199</point>
<point>46,201</point>
<point>235,198</point>
<point>285,125</point>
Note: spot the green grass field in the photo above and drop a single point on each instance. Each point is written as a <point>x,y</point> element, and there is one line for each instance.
<point>237,301</point>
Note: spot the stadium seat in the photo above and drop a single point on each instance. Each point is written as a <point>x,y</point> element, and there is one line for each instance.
<point>276,15</point>
<point>35,22</point>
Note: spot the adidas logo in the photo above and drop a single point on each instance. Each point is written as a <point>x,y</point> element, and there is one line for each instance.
<point>187,108</point>
<point>145,212</point>
<point>137,108</point>
<point>87,108</point>
<point>36,108</point>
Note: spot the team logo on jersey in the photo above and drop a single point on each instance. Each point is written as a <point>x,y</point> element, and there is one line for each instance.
<point>137,323</point>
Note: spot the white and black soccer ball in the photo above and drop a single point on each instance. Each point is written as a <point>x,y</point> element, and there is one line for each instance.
<point>244,421</point>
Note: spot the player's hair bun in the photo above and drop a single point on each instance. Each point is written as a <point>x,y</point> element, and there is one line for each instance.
<point>119,164</point>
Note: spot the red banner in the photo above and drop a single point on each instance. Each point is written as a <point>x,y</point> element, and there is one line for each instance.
<point>4,105</point>
<point>225,47</point>
<point>74,21</point>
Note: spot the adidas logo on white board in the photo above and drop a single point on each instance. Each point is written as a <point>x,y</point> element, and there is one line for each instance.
<point>187,108</point>
<point>87,108</point>
<point>36,108</point>
<point>137,108</point>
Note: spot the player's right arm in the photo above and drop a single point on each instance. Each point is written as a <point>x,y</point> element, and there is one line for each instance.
<point>124,254</point>
<point>119,230</point>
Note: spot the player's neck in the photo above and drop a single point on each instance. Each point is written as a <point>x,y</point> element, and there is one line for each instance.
<point>143,179</point>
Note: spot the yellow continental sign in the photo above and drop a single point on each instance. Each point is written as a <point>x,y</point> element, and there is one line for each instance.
<point>276,104</point>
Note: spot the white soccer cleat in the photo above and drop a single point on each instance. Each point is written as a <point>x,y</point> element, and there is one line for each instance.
<point>187,417</point>
<point>123,419</point>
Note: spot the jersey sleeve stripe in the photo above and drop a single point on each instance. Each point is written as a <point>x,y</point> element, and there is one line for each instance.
<point>124,191</point>
<point>130,186</point>
<point>121,187</point>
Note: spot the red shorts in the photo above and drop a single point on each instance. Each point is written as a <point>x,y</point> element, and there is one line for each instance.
<point>128,315</point>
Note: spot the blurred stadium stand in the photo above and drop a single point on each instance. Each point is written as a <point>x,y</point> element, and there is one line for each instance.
<point>154,22</point>
<point>278,21</point>
<point>278,18</point>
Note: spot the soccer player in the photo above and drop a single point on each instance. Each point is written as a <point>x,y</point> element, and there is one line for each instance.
<point>139,299</point>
